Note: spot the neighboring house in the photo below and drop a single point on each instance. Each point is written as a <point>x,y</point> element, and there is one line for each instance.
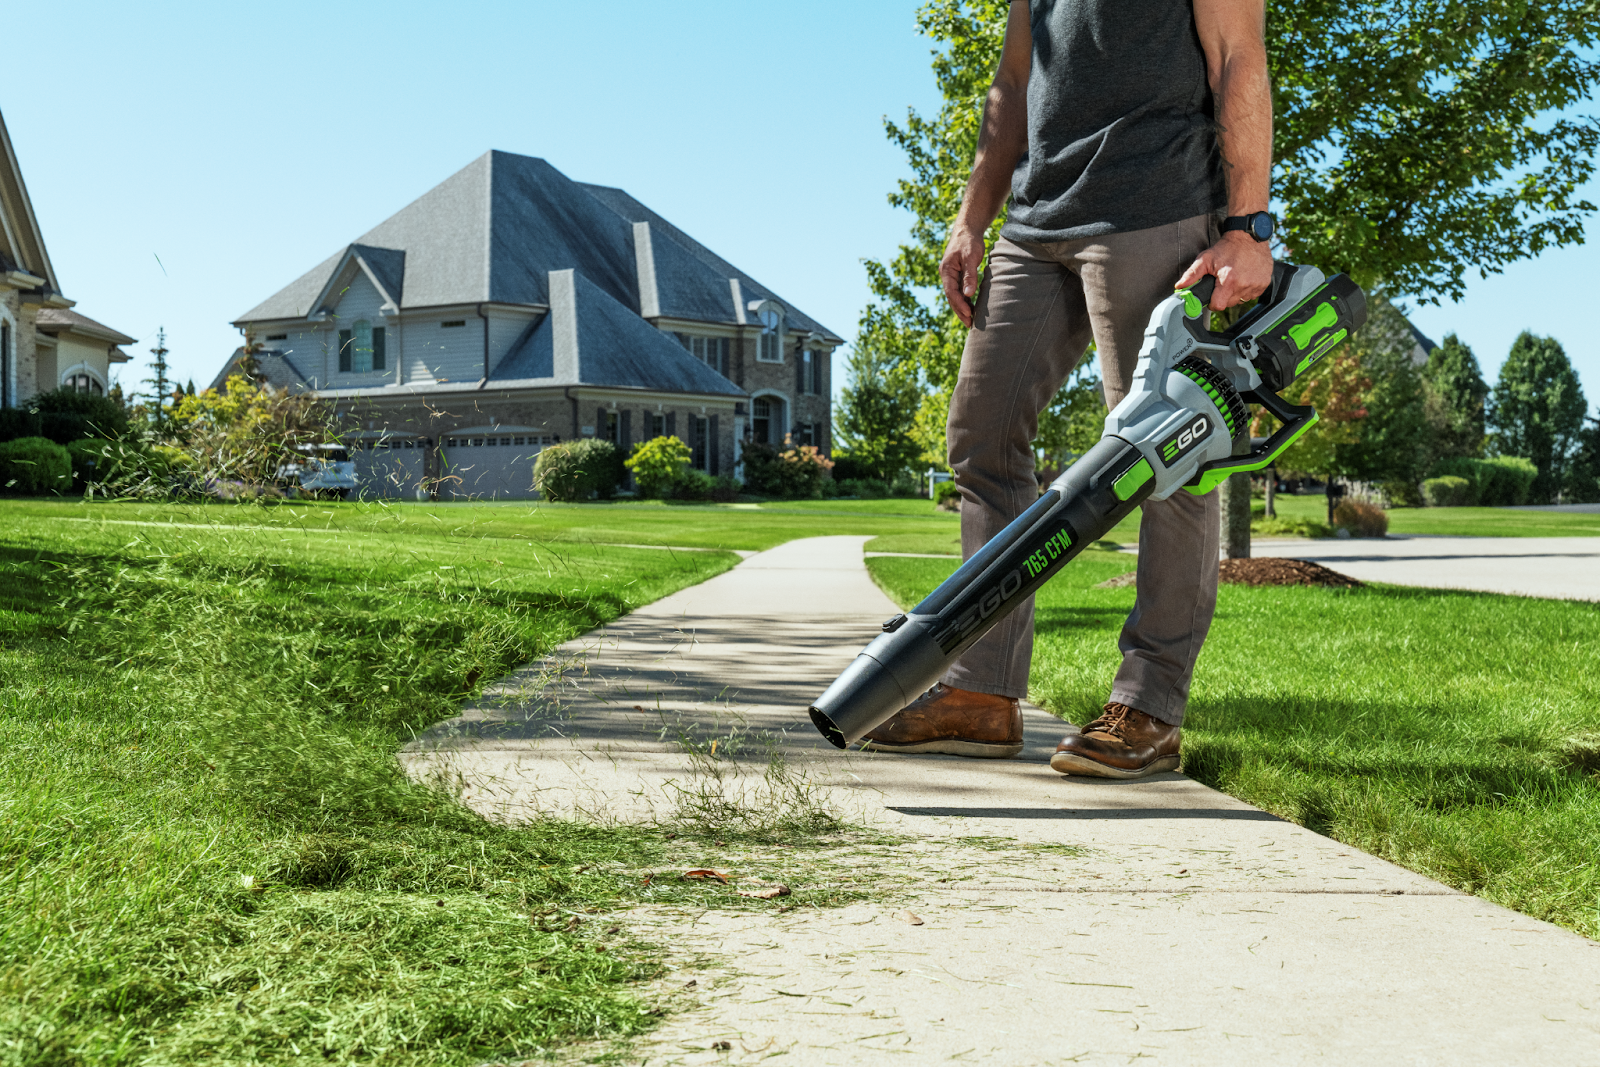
<point>510,308</point>
<point>43,343</point>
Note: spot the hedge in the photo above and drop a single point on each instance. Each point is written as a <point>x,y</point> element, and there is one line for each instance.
<point>1503,481</point>
<point>34,465</point>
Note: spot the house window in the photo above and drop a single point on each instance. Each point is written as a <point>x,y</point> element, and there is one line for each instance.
<point>808,373</point>
<point>770,347</point>
<point>761,420</point>
<point>712,351</point>
<point>83,383</point>
<point>817,360</point>
<point>452,324</point>
<point>656,425</point>
<point>346,343</point>
<point>700,443</point>
<point>609,428</point>
<point>277,337</point>
<point>380,354</point>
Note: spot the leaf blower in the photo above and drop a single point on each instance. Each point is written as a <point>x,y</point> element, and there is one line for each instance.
<point>1179,427</point>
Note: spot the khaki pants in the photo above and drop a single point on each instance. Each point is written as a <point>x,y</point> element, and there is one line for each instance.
<point>1036,311</point>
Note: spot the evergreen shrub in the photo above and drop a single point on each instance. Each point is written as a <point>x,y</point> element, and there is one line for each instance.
<point>578,470</point>
<point>1503,481</point>
<point>793,474</point>
<point>1449,491</point>
<point>34,465</point>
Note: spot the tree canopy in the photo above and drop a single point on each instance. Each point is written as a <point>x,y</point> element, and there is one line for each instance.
<point>1537,410</point>
<point>1457,380</point>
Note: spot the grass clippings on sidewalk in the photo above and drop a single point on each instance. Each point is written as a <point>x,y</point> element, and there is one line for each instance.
<point>212,854</point>
<point>1457,734</point>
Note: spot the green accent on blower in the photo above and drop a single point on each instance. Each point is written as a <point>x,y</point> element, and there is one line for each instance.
<point>1132,478</point>
<point>1216,397</point>
<point>1191,303</point>
<point>1210,479</point>
<point>1303,334</point>
<point>1320,350</point>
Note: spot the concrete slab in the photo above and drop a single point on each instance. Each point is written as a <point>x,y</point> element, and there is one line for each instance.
<point>1563,567</point>
<point>1062,919</point>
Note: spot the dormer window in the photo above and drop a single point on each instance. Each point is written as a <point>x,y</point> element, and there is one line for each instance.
<point>770,346</point>
<point>363,348</point>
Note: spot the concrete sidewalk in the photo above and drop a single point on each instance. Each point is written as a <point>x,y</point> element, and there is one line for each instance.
<point>1062,919</point>
<point>1567,568</point>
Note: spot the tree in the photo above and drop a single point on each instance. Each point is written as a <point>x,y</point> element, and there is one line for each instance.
<point>1583,478</point>
<point>1537,411</point>
<point>160,384</point>
<point>1393,444</point>
<point>1073,422</point>
<point>1454,377</point>
<point>878,413</point>
<point>1411,140</point>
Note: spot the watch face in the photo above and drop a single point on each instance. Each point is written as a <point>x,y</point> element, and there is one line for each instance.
<point>1262,226</point>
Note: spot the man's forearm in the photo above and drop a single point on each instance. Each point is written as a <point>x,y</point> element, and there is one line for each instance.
<point>1244,114</point>
<point>1001,141</point>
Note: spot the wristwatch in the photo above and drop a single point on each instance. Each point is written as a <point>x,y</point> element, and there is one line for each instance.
<point>1260,225</point>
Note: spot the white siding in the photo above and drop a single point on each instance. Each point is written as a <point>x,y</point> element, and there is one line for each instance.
<point>359,301</point>
<point>308,348</point>
<point>505,328</point>
<point>435,353</point>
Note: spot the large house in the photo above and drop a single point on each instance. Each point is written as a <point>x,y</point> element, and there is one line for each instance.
<point>510,308</point>
<point>44,344</point>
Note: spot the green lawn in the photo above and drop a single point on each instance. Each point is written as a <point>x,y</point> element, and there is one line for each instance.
<point>1456,522</point>
<point>749,527</point>
<point>210,852</point>
<point>1457,734</point>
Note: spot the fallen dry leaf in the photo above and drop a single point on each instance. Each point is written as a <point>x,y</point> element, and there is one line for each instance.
<point>909,917</point>
<point>705,874</point>
<point>766,892</point>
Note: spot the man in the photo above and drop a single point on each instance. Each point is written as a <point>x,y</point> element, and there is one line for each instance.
<point>1121,130</point>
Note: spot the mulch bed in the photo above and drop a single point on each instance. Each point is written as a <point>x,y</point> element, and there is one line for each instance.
<point>1269,570</point>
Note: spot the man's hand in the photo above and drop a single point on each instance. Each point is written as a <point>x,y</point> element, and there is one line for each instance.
<point>1242,264</point>
<point>958,271</point>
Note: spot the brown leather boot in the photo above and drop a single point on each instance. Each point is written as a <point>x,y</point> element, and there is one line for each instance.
<point>1121,743</point>
<point>955,722</point>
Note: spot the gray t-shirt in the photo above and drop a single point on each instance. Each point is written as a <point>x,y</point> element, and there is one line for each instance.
<point>1121,134</point>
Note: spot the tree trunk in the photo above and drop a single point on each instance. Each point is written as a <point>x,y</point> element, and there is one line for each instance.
<point>1272,492</point>
<point>1235,500</point>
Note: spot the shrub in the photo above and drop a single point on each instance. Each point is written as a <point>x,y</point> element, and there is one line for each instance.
<point>1503,481</point>
<point>577,470</point>
<point>82,414</point>
<point>693,485</point>
<point>865,488</point>
<point>658,464</point>
<point>34,465</point>
<point>1363,520</point>
<point>847,468</point>
<point>64,416</point>
<point>947,496</point>
<point>725,488</point>
<point>1449,492</point>
<point>795,473</point>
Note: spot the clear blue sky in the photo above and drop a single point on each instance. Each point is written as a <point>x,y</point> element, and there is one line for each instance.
<point>242,144</point>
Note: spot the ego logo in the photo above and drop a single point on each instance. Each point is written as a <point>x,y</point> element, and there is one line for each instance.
<point>1178,445</point>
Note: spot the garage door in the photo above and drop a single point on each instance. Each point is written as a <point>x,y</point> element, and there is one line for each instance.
<point>391,468</point>
<point>483,466</point>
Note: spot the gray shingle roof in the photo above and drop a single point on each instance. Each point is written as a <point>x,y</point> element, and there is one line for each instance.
<point>277,368</point>
<point>687,285</point>
<point>50,319</point>
<point>615,348</point>
<point>493,231</point>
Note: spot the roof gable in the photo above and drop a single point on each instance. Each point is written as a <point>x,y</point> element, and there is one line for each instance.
<point>21,241</point>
